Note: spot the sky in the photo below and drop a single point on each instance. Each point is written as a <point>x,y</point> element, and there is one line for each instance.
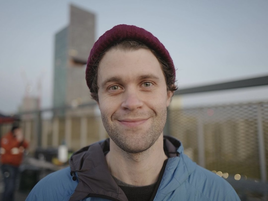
<point>209,41</point>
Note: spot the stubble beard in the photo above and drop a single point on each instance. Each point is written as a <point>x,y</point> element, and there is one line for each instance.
<point>136,140</point>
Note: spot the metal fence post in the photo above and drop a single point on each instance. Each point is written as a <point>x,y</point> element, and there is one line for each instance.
<point>38,128</point>
<point>68,130</point>
<point>55,132</point>
<point>83,131</point>
<point>200,140</point>
<point>167,125</point>
<point>261,145</point>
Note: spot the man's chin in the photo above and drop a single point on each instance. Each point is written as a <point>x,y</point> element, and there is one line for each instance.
<point>134,147</point>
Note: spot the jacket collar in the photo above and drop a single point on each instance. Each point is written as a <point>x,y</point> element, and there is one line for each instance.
<point>177,171</point>
<point>94,178</point>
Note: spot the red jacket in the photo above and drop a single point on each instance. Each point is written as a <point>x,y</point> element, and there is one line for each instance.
<point>12,150</point>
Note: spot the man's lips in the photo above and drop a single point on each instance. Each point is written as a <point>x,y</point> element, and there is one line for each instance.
<point>132,122</point>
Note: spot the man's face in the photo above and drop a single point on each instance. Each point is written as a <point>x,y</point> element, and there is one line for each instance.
<point>18,134</point>
<point>17,131</point>
<point>133,98</point>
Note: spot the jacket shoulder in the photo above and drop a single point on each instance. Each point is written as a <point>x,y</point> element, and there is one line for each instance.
<point>185,180</point>
<point>57,186</point>
<point>212,187</point>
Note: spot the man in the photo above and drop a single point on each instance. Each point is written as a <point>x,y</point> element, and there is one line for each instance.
<point>131,76</point>
<point>12,149</point>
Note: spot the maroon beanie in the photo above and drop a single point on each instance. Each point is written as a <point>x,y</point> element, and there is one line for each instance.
<point>120,33</point>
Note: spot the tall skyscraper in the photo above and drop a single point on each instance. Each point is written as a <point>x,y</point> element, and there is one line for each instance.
<point>72,47</point>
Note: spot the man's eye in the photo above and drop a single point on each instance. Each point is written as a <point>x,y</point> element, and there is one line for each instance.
<point>147,84</point>
<point>114,87</point>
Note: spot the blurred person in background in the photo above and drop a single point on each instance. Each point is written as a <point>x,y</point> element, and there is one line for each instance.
<point>131,76</point>
<point>12,148</point>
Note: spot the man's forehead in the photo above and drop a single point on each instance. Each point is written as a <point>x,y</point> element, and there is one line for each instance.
<point>134,65</point>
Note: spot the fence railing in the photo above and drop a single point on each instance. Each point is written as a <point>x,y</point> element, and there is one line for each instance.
<point>232,139</point>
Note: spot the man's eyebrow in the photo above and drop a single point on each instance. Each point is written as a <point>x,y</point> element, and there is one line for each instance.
<point>148,76</point>
<point>120,80</point>
<point>111,79</point>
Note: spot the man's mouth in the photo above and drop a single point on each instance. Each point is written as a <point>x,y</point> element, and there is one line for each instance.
<point>132,122</point>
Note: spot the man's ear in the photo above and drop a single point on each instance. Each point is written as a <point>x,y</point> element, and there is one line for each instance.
<point>169,97</point>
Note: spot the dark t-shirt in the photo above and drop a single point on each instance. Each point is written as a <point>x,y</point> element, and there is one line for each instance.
<point>141,193</point>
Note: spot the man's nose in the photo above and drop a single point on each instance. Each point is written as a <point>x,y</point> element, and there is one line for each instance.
<point>131,100</point>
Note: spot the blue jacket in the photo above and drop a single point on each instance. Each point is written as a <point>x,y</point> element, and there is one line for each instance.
<point>89,179</point>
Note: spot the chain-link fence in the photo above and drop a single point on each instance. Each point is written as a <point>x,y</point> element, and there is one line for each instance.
<point>231,140</point>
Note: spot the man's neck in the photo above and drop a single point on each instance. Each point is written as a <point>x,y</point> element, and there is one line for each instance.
<point>139,169</point>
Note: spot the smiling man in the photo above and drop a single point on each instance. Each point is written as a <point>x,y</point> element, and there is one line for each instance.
<point>131,76</point>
